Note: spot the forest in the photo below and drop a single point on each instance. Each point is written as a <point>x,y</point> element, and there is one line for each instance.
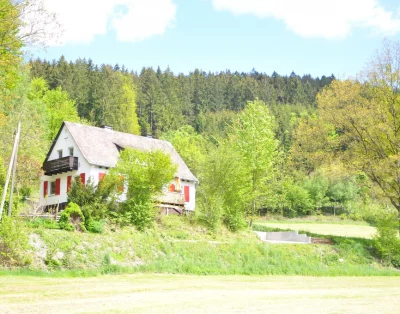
<point>259,143</point>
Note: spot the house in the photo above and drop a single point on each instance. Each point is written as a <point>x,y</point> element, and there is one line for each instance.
<point>82,152</point>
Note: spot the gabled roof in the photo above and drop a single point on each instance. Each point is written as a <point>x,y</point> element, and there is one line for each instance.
<point>101,147</point>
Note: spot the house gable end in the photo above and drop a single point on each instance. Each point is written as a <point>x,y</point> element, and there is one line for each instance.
<point>54,142</point>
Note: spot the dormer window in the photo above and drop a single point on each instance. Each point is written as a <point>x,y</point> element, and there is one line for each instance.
<point>59,153</point>
<point>71,151</point>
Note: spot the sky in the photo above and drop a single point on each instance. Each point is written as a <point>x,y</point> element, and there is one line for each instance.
<point>317,37</point>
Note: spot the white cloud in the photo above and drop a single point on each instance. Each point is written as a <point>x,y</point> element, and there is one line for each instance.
<point>318,18</point>
<point>82,20</point>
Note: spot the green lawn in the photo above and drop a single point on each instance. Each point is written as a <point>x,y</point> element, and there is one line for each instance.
<point>151,293</point>
<point>345,230</point>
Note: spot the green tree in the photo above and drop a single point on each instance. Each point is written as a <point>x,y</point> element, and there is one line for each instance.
<point>253,138</point>
<point>60,107</point>
<point>367,117</point>
<point>146,173</point>
<point>222,194</point>
<point>10,45</point>
<point>317,186</point>
<point>192,147</point>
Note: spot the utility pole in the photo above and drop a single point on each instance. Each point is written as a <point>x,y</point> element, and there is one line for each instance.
<point>14,171</point>
<point>3,199</point>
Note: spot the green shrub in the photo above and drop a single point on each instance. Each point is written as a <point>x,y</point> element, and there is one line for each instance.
<point>95,201</point>
<point>13,243</point>
<point>210,210</point>
<point>140,214</point>
<point>386,241</point>
<point>43,223</point>
<point>94,226</point>
<point>72,218</point>
<point>234,220</point>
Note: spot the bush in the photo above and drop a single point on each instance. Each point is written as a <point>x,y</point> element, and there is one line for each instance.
<point>139,214</point>
<point>210,210</point>
<point>13,242</point>
<point>72,218</point>
<point>43,223</point>
<point>234,220</point>
<point>94,226</point>
<point>386,241</point>
<point>95,201</point>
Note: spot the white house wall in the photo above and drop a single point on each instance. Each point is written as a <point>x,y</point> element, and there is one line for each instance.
<point>64,142</point>
<point>192,194</point>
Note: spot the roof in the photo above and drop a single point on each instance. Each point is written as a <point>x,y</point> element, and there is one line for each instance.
<point>101,146</point>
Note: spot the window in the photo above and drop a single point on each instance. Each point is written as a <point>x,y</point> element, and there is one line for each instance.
<point>52,188</point>
<point>71,151</point>
<point>55,187</point>
<point>59,153</point>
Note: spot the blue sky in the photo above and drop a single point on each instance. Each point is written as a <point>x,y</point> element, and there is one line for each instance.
<point>314,37</point>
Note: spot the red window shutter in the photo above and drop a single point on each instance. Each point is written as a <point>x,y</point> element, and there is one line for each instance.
<point>83,181</point>
<point>101,176</point>
<point>186,189</point>
<point>172,188</point>
<point>58,183</point>
<point>69,180</point>
<point>45,188</point>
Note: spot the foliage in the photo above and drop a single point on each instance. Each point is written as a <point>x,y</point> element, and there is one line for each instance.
<point>94,226</point>
<point>252,137</point>
<point>59,106</point>
<point>146,173</point>
<point>42,223</point>
<point>366,117</point>
<point>221,188</point>
<point>210,210</point>
<point>13,243</point>
<point>317,186</point>
<point>166,101</point>
<point>190,145</point>
<point>11,44</point>
<point>72,218</point>
<point>161,250</point>
<point>296,199</point>
<point>96,202</point>
<point>387,241</point>
<point>138,212</point>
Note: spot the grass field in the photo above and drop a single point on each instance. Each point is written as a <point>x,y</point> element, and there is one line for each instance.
<point>150,293</point>
<point>336,229</point>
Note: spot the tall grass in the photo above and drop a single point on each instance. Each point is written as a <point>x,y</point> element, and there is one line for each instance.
<point>175,245</point>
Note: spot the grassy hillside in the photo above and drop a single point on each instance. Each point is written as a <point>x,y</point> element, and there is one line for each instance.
<point>177,245</point>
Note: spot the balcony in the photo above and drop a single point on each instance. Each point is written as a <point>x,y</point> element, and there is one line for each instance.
<point>172,198</point>
<point>60,165</point>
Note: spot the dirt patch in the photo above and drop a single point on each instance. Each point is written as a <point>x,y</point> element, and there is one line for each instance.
<point>321,241</point>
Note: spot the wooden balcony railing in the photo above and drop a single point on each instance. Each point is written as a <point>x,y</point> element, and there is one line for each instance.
<point>172,198</point>
<point>60,165</point>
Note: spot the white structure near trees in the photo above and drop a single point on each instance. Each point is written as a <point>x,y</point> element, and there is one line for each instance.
<point>85,152</point>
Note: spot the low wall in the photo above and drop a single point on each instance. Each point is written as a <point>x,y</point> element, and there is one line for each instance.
<point>284,236</point>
